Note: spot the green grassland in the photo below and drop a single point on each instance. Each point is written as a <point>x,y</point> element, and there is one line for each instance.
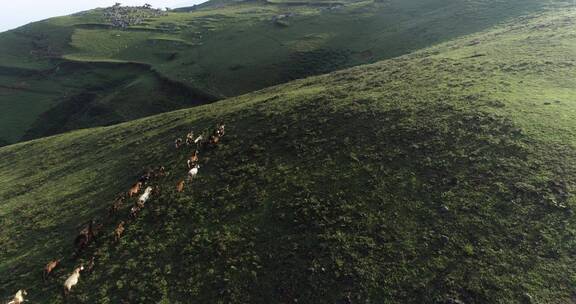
<point>217,50</point>
<point>447,174</point>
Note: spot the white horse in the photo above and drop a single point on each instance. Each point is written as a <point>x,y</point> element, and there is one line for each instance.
<point>72,280</point>
<point>19,297</point>
<point>146,196</point>
<point>193,172</point>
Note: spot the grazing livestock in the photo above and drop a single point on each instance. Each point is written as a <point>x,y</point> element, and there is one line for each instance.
<point>156,190</point>
<point>193,172</point>
<point>220,130</point>
<point>135,189</point>
<point>180,186</point>
<point>119,231</point>
<point>193,160</point>
<point>160,172</point>
<point>190,138</point>
<point>146,177</point>
<point>178,143</point>
<point>214,140</point>
<point>116,205</point>
<point>87,229</point>
<point>134,211</point>
<point>72,280</point>
<point>145,196</point>
<point>85,237</point>
<point>81,242</point>
<point>91,264</point>
<point>49,268</point>
<point>198,139</point>
<point>19,297</point>
<point>96,230</point>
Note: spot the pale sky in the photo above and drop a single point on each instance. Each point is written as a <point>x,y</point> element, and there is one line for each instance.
<point>15,13</point>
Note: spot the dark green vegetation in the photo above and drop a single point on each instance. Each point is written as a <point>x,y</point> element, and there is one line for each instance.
<point>221,48</point>
<point>442,175</point>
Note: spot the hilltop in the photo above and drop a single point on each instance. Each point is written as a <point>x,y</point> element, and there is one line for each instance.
<point>441,176</point>
<point>106,66</point>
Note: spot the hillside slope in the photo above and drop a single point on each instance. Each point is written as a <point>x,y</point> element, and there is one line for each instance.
<point>444,175</point>
<point>218,50</point>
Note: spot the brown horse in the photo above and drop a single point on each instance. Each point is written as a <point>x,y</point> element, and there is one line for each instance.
<point>135,189</point>
<point>180,186</point>
<point>49,268</point>
<point>119,231</point>
<point>214,140</point>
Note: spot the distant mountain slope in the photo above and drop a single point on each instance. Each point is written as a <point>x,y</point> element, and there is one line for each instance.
<point>445,176</point>
<point>211,51</point>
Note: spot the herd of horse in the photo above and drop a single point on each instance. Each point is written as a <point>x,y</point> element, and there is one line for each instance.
<point>91,231</point>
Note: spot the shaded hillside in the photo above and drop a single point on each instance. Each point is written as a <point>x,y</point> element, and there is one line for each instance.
<point>443,176</point>
<point>108,100</point>
<point>216,50</point>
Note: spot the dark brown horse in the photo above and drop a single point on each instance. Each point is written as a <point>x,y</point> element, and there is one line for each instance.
<point>190,138</point>
<point>214,140</point>
<point>159,173</point>
<point>86,236</point>
<point>178,143</point>
<point>116,205</point>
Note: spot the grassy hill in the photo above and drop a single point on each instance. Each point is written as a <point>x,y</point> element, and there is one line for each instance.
<point>444,176</point>
<point>65,73</point>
